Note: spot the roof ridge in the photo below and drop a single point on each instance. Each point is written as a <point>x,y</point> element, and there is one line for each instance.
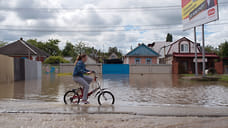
<point>27,46</point>
<point>143,45</point>
<point>40,51</point>
<point>151,49</point>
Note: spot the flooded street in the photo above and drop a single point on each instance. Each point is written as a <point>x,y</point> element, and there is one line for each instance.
<point>161,101</point>
<point>107,121</point>
<point>129,90</point>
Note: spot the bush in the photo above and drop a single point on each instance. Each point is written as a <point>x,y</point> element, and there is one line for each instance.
<point>55,60</point>
<point>211,71</point>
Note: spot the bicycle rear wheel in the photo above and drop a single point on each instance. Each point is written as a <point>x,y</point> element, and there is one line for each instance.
<point>106,98</point>
<point>71,97</point>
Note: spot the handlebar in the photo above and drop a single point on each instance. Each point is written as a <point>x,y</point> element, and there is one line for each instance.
<point>95,75</point>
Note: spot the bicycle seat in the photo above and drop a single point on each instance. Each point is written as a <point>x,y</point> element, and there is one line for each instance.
<point>77,89</point>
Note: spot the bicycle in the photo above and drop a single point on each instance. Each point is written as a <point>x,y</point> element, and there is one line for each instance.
<point>103,95</point>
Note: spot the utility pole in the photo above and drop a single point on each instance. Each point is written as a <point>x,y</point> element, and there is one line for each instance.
<point>103,53</point>
<point>196,59</point>
<point>203,51</point>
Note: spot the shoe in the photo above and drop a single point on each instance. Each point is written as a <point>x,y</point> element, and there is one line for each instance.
<point>85,102</point>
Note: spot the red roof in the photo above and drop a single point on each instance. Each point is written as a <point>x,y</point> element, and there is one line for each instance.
<point>212,55</point>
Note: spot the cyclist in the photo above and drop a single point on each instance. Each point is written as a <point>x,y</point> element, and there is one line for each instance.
<point>78,76</point>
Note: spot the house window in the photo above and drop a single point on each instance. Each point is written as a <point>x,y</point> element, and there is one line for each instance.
<point>184,48</point>
<point>137,61</point>
<point>148,61</point>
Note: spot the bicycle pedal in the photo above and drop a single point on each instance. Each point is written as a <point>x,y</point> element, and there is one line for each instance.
<point>71,99</point>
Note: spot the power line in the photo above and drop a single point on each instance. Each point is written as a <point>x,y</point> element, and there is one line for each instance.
<point>79,31</point>
<point>127,26</point>
<point>91,31</point>
<point>94,26</point>
<point>124,9</point>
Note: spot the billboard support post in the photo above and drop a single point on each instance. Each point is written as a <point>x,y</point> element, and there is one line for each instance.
<point>203,50</point>
<point>196,63</point>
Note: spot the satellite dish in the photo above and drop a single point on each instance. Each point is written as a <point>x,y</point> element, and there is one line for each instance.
<point>152,45</point>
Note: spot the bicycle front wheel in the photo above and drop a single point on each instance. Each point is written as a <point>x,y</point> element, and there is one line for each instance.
<point>71,97</point>
<point>106,98</point>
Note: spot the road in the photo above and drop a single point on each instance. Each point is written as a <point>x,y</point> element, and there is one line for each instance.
<point>57,115</point>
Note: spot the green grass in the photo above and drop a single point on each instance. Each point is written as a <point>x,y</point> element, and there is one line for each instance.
<point>187,75</point>
<point>65,74</point>
<point>224,78</point>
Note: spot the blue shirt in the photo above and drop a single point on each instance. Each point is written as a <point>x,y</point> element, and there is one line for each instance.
<point>80,69</point>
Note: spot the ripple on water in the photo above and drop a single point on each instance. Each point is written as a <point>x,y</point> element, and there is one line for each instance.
<point>149,89</point>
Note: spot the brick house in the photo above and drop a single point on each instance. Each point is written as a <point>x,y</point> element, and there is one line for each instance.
<point>185,62</point>
<point>22,49</point>
<point>225,63</point>
<point>181,54</point>
<point>141,55</point>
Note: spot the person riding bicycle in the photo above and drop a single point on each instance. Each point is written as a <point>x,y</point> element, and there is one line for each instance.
<point>78,76</point>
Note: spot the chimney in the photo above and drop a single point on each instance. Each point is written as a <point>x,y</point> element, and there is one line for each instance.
<point>139,44</point>
<point>21,38</point>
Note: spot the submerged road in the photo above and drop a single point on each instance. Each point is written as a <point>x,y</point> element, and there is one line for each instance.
<point>60,108</point>
<point>30,114</point>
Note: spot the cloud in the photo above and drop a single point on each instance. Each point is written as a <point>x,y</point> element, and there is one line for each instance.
<point>1,17</point>
<point>30,9</point>
<point>101,28</point>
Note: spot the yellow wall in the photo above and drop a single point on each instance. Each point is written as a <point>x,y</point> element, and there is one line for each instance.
<point>6,68</point>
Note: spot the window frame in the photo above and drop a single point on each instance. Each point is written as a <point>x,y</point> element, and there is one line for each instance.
<point>184,48</point>
<point>138,59</point>
<point>150,59</point>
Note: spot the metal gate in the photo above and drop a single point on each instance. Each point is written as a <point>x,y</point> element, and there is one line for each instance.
<point>115,68</point>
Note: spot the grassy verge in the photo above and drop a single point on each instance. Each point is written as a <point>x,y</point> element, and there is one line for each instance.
<point>224,78</point>
<point>64,74</point>
<point>187,75</point>
<point>67,74</point>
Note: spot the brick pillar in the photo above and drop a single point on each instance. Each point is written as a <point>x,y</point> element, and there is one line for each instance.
<point>175,67</point>
<point>219,67</point>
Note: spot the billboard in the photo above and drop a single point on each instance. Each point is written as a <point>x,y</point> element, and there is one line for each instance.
<point>198,12</point>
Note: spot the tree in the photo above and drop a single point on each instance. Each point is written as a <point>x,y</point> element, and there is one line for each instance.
<point>2,43</point>
<point>80,48</point>
<point>55,60</point>
<point>91,51</point>
<point>51,47</point>
<point>68,50</point>
<point>223,49</point>
<point>210,49</point>
<point>36,43</point>
<point>169,38</point>
<point>114,50</point>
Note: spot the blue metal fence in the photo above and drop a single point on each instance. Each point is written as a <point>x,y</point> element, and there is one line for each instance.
<point>115,68</point>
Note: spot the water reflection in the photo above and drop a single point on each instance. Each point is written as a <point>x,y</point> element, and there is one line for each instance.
<point>133,89</point>
<point>166,89</point>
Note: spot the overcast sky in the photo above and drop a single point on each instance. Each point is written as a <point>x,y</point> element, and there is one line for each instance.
<point>100,24</point>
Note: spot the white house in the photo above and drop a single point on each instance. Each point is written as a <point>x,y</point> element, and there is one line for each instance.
<point>90,60</point>
<point>166,49</point>
<point>113,56</point>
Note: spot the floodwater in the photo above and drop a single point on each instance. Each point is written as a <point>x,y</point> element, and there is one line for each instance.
<point>132,90</point>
